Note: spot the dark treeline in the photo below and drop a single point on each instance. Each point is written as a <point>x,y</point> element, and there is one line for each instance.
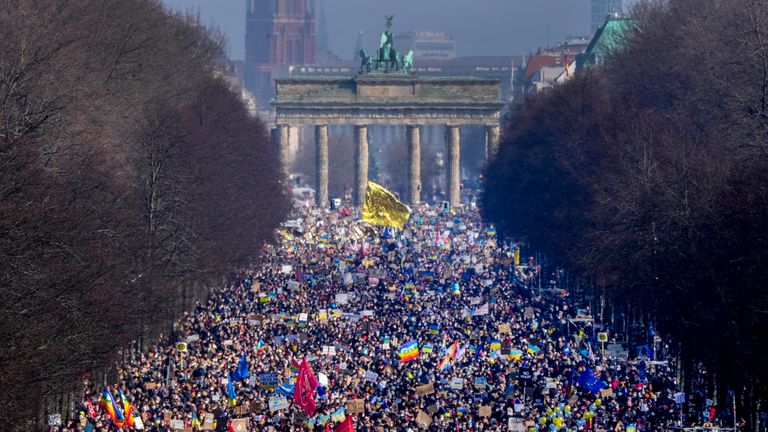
<point>649,176</point>
<point>130,178</point>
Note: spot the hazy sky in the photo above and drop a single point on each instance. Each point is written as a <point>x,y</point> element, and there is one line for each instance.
<point>479,27</point>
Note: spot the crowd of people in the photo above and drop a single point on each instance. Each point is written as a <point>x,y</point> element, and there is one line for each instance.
<point>493,354</point>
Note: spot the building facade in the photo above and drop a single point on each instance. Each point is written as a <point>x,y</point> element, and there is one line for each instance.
<point>427,45</point>
<point>279,33</point>
<point>601,9</point>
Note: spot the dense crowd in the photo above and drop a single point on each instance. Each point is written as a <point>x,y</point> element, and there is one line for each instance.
<point>346,296</point>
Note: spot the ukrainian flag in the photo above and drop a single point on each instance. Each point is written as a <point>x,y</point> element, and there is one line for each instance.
<point>515,354</point>
<point>533,349</point>
<point>495,344</point>
<point>231,396</point>
<point>426,348</point>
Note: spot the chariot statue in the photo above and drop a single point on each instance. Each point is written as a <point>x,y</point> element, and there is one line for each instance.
<point>387,58</point>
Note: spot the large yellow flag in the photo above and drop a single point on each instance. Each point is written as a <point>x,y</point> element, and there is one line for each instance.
<point>382,208</point>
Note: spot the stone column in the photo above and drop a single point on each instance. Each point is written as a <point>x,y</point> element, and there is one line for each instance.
<point>413,135</point>
<point>361,163</point>
<point>321,164</point>
<point>453,151</point>
<point>491,141</point>
<point>282,135</point>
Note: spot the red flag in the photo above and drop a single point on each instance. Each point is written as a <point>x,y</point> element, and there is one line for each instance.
<point>304,392</point>
<point>346,426</point>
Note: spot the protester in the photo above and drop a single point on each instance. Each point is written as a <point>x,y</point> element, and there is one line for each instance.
<point>346,297</point>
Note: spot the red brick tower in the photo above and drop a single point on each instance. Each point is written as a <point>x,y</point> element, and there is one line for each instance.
<point>278,33</point>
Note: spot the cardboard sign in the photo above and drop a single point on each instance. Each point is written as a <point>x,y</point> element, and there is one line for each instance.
<point>356,406</point>
<point>241,410</point>
<point>484,411</point>
<point>529,312</point>
<point>505,328</point>
<point>425,389</point>
<point>423,419</point>
<point>241,424</point>
<point>432,409</point>
<point>606,392</point>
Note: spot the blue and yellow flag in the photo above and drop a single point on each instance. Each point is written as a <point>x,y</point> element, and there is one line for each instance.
<point>383,209</point>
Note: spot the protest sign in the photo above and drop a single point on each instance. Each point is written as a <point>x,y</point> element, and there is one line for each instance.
<point>457,383</point>
<point>425,389</point>
<point>241,410</point>
<point>505,328</point>
<point>342,298</point>
<point>268,380</point>
<point>423,419</point>
<point>371,376</point>
<point>606,392</point>
<point>277,403</point>
<point>484,411</point>
<point>356,406</point>
<point>240,424</point>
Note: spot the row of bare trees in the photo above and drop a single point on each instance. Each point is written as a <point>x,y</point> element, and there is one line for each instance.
<point>129,174</point>
<point>649,175</point>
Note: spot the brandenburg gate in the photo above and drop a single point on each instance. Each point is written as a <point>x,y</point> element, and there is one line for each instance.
<point>387,93</point>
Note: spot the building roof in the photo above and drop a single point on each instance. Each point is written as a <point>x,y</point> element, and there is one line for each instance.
<point>610,35</point>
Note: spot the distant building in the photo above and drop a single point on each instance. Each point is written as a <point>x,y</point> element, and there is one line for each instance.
<point>427,45</point>
<point>602,9</point>
<point>607,38</point>
<point>278,33</point>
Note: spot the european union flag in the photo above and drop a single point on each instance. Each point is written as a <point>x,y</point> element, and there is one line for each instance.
<point>242,371</point>
<point>588,380</point>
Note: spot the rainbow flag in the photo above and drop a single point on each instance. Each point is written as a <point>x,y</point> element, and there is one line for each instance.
<point>445,363</point>
<point>110,406</point>
<point>259,346</point>
<point>495,344</point>
<point>409,351</point>
<point>127,409</point>
<point>533,349</point>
